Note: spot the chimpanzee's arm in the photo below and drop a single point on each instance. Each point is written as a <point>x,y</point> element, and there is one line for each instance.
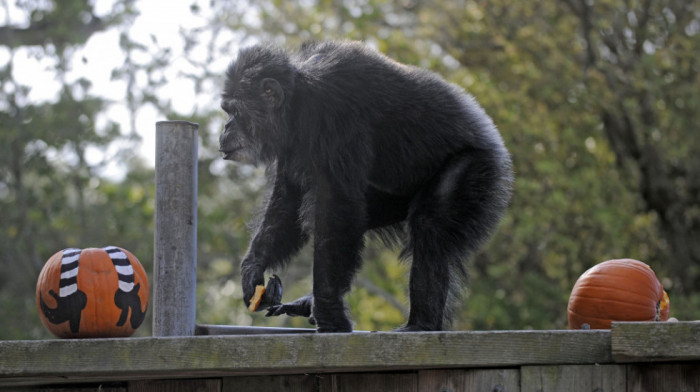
<point>278,236</point>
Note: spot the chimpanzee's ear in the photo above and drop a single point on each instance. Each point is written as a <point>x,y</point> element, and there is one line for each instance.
<point>272,93</point>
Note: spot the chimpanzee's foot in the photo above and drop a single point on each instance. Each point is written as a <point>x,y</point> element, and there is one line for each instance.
<point>300,307</point>
<point>331,316</point>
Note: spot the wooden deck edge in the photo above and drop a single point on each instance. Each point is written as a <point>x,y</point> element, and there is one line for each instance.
<point>50,361</point>
<point>656,342</point>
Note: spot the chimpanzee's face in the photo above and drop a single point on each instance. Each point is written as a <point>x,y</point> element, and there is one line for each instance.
<point>253,131</point>
<point>237,141</point>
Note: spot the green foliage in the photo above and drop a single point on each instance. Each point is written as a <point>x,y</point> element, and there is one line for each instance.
<point>576,203</point>
<point>51,195</point>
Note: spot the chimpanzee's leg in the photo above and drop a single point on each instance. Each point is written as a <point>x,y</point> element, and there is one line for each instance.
<point>339,226</point>
<point>449,220</point>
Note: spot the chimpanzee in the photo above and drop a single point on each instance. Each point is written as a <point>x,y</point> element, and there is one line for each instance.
<point>357,142</point>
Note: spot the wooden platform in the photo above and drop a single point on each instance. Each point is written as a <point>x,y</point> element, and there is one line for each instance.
<point>630,357</point>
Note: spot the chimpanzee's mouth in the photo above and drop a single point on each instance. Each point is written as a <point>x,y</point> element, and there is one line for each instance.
<point>229,154</point>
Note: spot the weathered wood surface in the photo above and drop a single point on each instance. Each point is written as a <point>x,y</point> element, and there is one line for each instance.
<point>368,382</point>
<point>566,378</point>
<point>498,380</point>
<point>286,383</point>
<point>490,380</point>
<point>175,234</point>
<point>35,362</point>
<point>646,342</point>
<point>501,361</point>
<point>573,378</point>
<point>663,377</point>
<point>195,385</point>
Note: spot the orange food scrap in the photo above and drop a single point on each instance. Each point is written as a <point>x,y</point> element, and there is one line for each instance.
<point>257,297</point>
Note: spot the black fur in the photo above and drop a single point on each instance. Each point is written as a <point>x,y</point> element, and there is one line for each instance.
<point>359,142</point>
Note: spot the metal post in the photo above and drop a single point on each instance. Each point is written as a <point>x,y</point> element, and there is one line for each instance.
<point>175,250</point>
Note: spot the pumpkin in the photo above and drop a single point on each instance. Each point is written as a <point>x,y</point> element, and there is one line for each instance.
<point>90,293</point>
<point>617,290</point>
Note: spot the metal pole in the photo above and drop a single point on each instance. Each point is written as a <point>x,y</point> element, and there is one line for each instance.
<point>175,250</point>
<point>206,329</point>
<point>209,329</point>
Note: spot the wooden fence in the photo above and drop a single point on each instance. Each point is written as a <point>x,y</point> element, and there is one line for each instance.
<point>630,357</point>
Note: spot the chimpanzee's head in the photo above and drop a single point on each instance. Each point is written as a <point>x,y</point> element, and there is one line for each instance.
<point>256,93</point>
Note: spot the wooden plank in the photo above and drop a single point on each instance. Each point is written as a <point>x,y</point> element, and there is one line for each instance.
<point>194,385</point>
<point>663,377</point>
<point>138,358</point>
<point>369,382</point>
<point>283,383</point>
<point>492,380</point>
<point>101,387</point>
<point>655,341</point>
<point>175,233</point>
<point>573,378</point>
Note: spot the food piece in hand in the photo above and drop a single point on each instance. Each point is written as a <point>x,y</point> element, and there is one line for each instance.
<point>257,297</point>
<point>265,297</point>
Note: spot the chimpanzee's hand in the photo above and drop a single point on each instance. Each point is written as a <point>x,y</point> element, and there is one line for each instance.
<point>251,276</point>
<point>272,295</point>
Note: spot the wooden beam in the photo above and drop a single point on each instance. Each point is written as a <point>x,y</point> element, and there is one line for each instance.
<point>656,341</point>
<point>51,361</point>
<point>492,380</point>
<point>175,246</point>
<point>573,378</point>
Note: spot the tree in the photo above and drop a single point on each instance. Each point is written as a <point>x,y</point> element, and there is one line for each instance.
<point>642,58</point>
<point>595,100</point>
<point>582,195</point>
<point>48,165</point>
<point>617,80</point>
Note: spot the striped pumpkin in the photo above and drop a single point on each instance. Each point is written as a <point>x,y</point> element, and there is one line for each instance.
<point>93,292</point>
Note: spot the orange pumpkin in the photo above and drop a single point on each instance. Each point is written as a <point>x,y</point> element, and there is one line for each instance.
<point>89,293</point>
<point>617,290</point>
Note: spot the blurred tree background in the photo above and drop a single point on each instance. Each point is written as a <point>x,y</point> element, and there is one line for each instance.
<point>597,102</point>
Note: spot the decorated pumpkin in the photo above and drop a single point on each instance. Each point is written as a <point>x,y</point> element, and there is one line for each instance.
<point>617,290</point>
<point>89,293</point>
